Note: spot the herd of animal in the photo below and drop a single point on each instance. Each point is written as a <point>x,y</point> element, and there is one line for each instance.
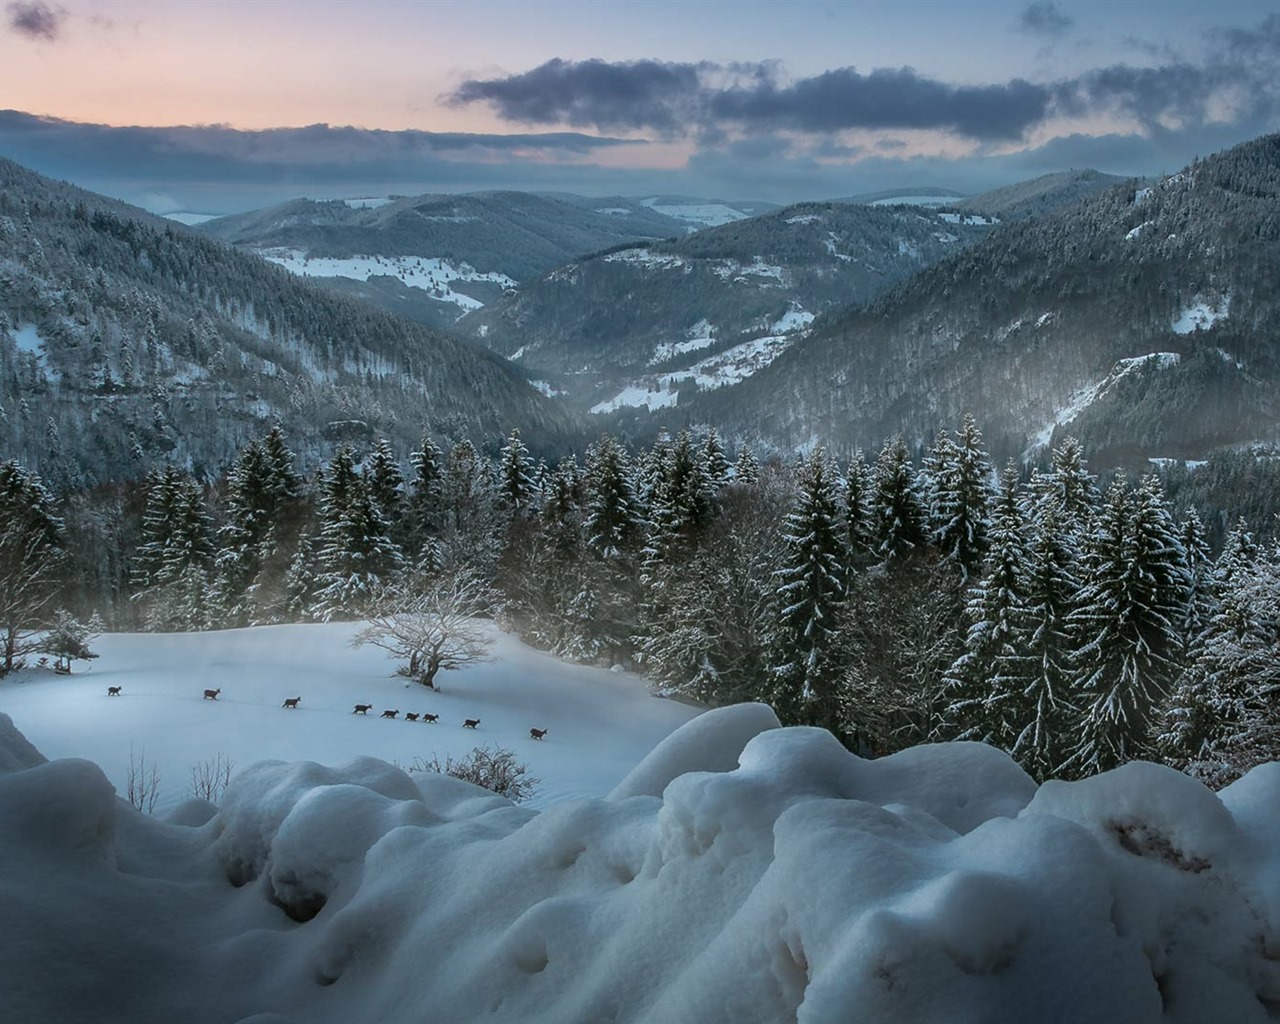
<point>359,709</point>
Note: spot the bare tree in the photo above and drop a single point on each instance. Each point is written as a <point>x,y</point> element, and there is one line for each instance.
<point>210,778</point>
<point>29,581</point>
<point>433,626</point>
<point>142,788</point>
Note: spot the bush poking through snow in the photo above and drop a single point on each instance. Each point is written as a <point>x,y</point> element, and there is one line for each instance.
<point>209,778</point>
<point>142,788</point>
<point>494,768</point>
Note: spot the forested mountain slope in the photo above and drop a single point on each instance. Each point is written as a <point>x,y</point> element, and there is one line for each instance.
<point>1145,321</point>
<point>128,341</point>
<point>638,326</point>
<point>1046,194</point>
<point>434,257</point>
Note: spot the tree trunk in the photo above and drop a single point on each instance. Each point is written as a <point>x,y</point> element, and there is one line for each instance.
<point>429,676</point>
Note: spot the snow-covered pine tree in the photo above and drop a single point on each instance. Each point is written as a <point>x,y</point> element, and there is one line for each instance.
<point>1240,665</point>
<point>611,516</point>
<point>175,558</point>
<point>806,666</point>
<point>899,515</point>
<point>713,457</point>
<point>960,489</point>
<point>1044,708</point>
<point>384,481</point>
<point>517,490</point>
<point>859,511</point>
<point>357,558</point>
<point>423,517</point>
<point>1071,484</point>
<point>1126,626</point>
<point>986,683</point>
<point>68,640</point>
<point>747,469</point>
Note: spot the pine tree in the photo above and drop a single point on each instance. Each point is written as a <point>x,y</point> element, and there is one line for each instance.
<point>1072,486</point>
<point>1127,625</point>
<point>986,683</point>
<point>1052,586</point>
<point>713,457</point>
<point>960,487</point>
<point>612,519</point>
<point>385,482</point>
<point>424,514</point>
<point>859,511</point>
<point>516,487</point>
<point>747,469</point>
<point>175,558</point>
<point>357,558</point>
<point>806,666</point>
<point>899,515</point>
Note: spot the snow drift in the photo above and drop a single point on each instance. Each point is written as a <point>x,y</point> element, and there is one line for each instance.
<point>743,872</point>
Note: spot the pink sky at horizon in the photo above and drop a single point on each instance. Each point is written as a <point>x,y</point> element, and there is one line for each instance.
<point>386,64</point>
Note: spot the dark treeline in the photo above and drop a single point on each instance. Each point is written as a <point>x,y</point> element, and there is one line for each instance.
<point>1075,623</point>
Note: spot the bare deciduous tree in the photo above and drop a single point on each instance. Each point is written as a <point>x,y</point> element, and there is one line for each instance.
<point>210,778</point>
<point>142,787</point>
<point>433,626</point>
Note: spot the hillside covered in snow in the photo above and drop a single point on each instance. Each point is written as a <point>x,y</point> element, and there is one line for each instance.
<point>740,872</point>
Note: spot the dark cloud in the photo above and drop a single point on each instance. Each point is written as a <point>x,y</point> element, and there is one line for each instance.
<point>677,99</point>
<point>35,19</point>
<point>886,98</point>
<point>643,94</point>
<point>1045,19</point>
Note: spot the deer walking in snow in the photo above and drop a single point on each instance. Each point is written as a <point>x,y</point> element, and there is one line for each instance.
<point>212,694</point>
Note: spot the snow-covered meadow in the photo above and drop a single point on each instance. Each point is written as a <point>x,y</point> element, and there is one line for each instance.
<point>739,872</point>
<point>601,723</point>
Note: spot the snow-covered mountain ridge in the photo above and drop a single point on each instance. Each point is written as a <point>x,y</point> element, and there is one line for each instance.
<point>637,326</point>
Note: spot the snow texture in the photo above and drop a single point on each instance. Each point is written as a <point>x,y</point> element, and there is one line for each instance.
<point>1200,315</point>
<point>741,872</point>
<point>1086,396</point>
<point>162,714</point>
<point>704,215</point>
<point>427,273</point>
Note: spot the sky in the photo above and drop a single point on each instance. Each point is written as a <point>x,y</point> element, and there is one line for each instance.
<point>225,106</point>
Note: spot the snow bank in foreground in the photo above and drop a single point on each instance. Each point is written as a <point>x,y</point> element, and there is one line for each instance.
<point>775,878</point>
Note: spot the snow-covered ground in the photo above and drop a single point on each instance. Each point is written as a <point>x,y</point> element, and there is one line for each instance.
<point>190,218</point>
<point>740,872</point>
<point>425,272</point>
<point>1200,315</point>
<point>698,215</point>
<point>723,369</point>
<point>27,339</point>
<point>1086,396</point>
<point>163,713</point>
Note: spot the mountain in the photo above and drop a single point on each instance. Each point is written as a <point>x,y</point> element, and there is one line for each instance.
<point>1035,198</point>
<point>128,341</point>
<point>1143,320</point>
<point>435,257</point>
<point>638,325</point>
<point>921,196</point>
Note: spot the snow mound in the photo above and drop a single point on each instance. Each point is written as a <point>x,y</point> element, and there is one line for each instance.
<point>742,872</point>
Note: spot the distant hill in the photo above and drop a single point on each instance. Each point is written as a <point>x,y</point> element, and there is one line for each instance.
<point>638,325</point>
<point>922,196</point>
<point>1144,320</point>
<point>128,341</point>
<point>434,257</point>
<point>1035,198</point>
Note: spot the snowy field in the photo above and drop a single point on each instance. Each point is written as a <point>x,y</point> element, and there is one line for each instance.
<point>601,723</point>
<point>427,273</point>
<point>740,873</point>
